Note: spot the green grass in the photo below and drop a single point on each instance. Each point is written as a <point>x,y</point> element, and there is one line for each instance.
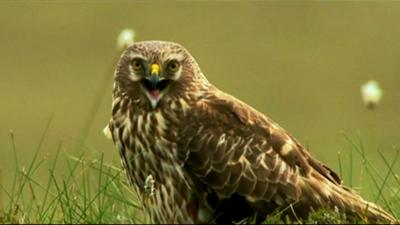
<point>382,185</point>
<point>92,191</point>
<point>88,191</point>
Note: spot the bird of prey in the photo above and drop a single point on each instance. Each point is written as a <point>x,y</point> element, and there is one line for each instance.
<point>195,154</point>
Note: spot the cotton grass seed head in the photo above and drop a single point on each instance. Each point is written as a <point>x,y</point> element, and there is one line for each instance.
<point>125,39</point>
<point>371,93</point>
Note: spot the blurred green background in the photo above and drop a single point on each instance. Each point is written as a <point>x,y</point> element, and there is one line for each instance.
<point>301,63</point>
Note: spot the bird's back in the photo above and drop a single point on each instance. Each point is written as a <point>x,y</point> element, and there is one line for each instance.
<point>243,158</point>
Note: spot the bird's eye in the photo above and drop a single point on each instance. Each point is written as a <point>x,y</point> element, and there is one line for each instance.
<point>137,64</point>
<point>173,66</point>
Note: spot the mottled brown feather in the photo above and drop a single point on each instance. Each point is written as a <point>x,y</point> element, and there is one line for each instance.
<point>212,157</point>
<point>280,178</point>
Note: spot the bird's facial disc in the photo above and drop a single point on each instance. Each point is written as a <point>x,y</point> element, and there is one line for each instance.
<point>155,78</point>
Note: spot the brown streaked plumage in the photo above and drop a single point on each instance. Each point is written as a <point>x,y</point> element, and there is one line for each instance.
<point>208,157</point>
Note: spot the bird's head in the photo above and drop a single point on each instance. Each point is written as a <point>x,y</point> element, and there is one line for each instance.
<point>154,70</point>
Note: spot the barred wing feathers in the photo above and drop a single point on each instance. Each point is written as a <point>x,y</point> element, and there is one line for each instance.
<point>235,152</point>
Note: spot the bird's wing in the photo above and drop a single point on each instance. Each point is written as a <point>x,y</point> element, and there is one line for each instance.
<point>234,149</point>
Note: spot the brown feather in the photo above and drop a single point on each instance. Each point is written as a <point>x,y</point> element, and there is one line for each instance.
<point>212,157</point>
<point>285,175</point>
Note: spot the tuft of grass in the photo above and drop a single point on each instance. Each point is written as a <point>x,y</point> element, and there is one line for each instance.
<point>89,191</point>
<point>323,216</point>
<point>379,181</point>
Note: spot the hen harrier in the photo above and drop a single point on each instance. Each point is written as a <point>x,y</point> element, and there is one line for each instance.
<point>208,156</point>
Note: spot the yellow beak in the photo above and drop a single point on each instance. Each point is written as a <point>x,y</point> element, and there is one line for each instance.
<point>155,69</point>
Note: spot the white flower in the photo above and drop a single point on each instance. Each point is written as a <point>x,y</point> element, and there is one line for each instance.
<point>125,39</point>
<point>107,132</point>
<point>371,93</point>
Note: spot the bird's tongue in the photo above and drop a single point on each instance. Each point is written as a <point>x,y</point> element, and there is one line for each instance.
<point>155,93</point>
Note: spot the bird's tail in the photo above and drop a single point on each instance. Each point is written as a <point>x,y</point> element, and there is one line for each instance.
<point>346,201</point>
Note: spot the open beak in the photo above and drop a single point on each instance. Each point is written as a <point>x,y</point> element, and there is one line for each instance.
<point>154,79</point>
<point>154,85</point>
